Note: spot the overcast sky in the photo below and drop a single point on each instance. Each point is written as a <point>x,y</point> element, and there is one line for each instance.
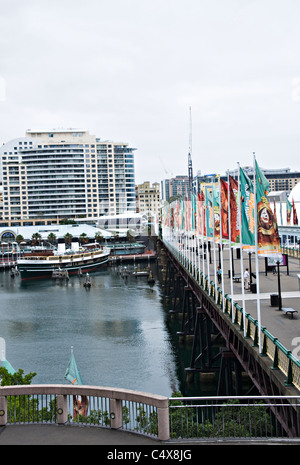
<point>128,71</point>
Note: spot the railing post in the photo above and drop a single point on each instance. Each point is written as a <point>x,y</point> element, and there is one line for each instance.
<point>62,409</point>
<point>116,417</point>
<point>3,410</point>
<point>163,422</point>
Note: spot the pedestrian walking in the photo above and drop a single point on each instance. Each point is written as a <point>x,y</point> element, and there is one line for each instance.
<point>219,274</point>
<point>246,279</point>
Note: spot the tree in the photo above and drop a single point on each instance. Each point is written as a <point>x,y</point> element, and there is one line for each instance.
<point>19,238</point>
<point>68,238</point>
<point>83,238</point>
<point>67,221</point>
<point>36,237</point>
<point>8,379</point>
<point>98,237</point>
<point>51,238</point>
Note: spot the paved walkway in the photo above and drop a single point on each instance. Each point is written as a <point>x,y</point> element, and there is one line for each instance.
<point>68,435</point>
<point>279,324</point>
<point>54,435</point>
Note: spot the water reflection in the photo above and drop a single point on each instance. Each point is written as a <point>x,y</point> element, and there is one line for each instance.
<point>117,329</point>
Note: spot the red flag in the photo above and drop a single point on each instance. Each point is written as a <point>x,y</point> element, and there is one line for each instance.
<point>234,209</point>
<point>224,210</point>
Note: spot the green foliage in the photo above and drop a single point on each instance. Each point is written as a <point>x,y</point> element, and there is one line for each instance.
<point>7,379</point>
<point>36,238</point>
<point>99,237</point>
<point>145,423</point>
<point>67,221</point>
<point>226,420</point>
<point>51,238</point>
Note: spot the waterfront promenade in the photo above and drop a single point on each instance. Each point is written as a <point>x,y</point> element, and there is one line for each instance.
<point>285,327</point>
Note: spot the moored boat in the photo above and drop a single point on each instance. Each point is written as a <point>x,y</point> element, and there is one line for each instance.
<point>38,266</point>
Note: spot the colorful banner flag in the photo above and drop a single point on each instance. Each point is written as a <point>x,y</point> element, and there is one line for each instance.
<point>216,213</point>
<point>234,210</point>
<point>295,217</point>
<point>262,184</point>
<point>247,206</point>
<point>209,214</point>
<point>268,241</point>
<point>224,209</point>
<point>201,214</point>
<point>288,212</point>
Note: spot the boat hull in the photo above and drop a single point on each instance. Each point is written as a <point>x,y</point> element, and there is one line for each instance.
<point>42,269</point>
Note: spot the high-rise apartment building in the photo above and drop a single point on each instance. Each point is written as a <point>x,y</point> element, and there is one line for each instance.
<point>66,174</point>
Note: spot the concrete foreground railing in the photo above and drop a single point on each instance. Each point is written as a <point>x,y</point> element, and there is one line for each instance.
<point>117,398</point>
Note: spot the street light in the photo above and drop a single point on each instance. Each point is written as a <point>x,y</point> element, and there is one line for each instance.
<point>279,290</point>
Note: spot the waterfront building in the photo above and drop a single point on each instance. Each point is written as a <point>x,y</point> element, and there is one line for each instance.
<point>65,174</point>
<point>148,198</point>
<point>282,179</point>
<point>174,187</point>
<point>59,231</point>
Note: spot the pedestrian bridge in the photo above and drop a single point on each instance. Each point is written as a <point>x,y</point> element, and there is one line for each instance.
<point>266,349</point>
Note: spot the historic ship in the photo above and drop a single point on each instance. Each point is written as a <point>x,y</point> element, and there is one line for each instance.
<point>38,265</point>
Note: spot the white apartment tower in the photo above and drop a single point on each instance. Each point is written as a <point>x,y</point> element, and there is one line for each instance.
<point>66,174</point>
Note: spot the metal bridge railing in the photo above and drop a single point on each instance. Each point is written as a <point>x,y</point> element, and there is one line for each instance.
<point>159,417</point>
<point>123,409</point>
<point>282,358</point>
<point>232,417</point>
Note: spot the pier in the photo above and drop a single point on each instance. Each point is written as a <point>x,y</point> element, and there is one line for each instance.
<point>267,350</point>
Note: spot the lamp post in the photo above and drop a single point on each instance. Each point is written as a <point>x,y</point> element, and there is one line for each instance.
<point>279,290</point>
<point>250,270</point>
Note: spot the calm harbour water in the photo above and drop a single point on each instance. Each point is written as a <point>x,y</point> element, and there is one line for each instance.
<point>117,328</point>
<point>121,332</point>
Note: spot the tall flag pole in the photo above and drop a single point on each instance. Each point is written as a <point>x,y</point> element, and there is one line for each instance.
<point>198,235</point>
<point>214,208</point>
<point>208,229</point>
<point>221,244</point>
<point>248,208</point>
<point>203,230</point>
<point>241,252</point>
<point>230,254</point>
<point>256,253</point>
